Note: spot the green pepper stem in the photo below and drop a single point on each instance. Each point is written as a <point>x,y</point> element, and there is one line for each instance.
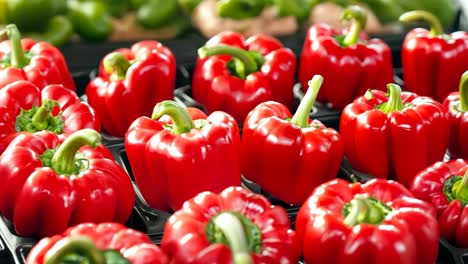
<point>116,64</point>
<point>358,19</point>
<point>357,208</point>
<point>394,102</point>
<point>301,117</point>
<point>436,28</point>
<point>63,160</point>
<point>18,58</point>
<point>40,119</point>
<point>182,122</point>
<point>464,92</point>
<point>465,178</point>
<point>222,49</point>
<point>365,209</point>
<point>232,229</point>
<point>460,189</point>
<point>80,246</point>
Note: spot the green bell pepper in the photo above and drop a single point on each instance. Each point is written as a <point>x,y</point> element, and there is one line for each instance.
<point>90,19</point>
<point>117,8</point>
<point>135,4</point>
<point>444,10</point>
<point>297,8</point>
<point>156,13</point>
<point>188,5</point>
<point>3,12</point>
<point>30,15</point>
<point>240,9</point>
<point>390,10</point>
<point>58,31</point>
<point>385,10</point>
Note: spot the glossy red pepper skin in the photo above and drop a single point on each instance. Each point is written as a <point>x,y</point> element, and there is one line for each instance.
<point>217,89</point>
<point>429,186</point>
<point>281,156</point>
<point>433,65</point>
<point>408,234</point>
<point>395,145</point>
<point>41,202</point>
<point>135,246</point>
<point>47,65</point>
<point>348,71</point>
<point>23,95</point>
<point>185,239</point>
<point>149,79</point>
<point>458,146</point>
<point>170,168</point>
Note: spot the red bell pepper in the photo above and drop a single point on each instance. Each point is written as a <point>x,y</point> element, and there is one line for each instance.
<point>24,107</point>
<point>279,151</point>
<point>235,226</point>
<point>444,186</point>
<point>394,136</point>
<point>432,61</point>
<point>97,243</point>
<point>174,161</point>
<point>48,185</point>
<point>40,63</point>
<point>138,77</point>
<point>457,105</point>
<point>235,75</point>
<point>375,222</point>
<point>349,61</point>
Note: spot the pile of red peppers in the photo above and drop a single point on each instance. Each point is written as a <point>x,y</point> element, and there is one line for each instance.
<point>61,184</point>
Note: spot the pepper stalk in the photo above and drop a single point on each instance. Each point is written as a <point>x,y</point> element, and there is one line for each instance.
<point>436,28</point>
<point>63,160</point>
<point>116,64</point>
<point>463,90</point>
<point>233,231</point>
<point>40,118</point>
<point>460,189</point>
<point>243,63</point>
<point>358,19</point>
<point>237,232</point>
<point>82,250</point>
<point>363,209</point>
<point>301,117</point>
<point>18,57</point>
<point>182,122</point>
<point>394,102</point>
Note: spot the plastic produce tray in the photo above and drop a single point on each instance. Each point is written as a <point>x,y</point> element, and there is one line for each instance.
<point>83,58</point>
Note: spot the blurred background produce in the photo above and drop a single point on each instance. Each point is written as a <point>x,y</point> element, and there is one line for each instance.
<point>59,21</point>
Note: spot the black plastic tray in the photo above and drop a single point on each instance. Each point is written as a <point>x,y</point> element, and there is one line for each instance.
<point>452,254</point>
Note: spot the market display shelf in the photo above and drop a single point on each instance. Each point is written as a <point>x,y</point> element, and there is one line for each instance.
<point>84,58</point>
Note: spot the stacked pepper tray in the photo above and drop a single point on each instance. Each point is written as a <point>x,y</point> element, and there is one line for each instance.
<point>237,149</point>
